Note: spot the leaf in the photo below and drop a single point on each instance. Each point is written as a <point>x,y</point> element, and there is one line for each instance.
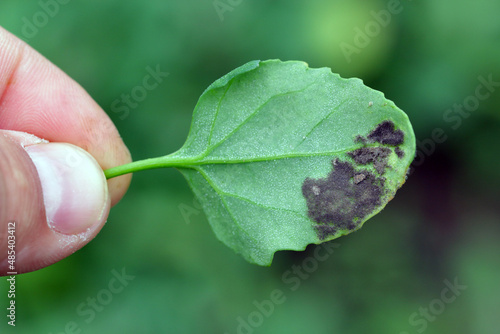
<point>281,156</point>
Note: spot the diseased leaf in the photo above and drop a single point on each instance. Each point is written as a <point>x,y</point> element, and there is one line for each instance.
<point>281,156</point>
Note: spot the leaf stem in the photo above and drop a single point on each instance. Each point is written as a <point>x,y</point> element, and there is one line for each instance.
<point>160,162</point>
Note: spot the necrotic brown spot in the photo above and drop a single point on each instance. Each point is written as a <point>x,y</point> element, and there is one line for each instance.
<point>386,134</point>
<point>342,199</point>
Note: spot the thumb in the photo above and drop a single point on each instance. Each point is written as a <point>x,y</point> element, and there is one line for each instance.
<point>53,200</point>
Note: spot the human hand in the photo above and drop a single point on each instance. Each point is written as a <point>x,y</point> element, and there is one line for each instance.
<point>54,143</point>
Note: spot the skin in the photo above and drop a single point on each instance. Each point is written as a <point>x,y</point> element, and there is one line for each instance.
<point>38,100</point>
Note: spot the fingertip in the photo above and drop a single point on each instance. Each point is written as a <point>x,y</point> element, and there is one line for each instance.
<point>57,196</point>
<point>74,188</point>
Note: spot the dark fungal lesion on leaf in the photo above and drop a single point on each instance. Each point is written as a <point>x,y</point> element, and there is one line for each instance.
<point>350,191</point>
<point>385,133</point>
<point>342,199</point>
<point>399,152</point>
<point>376,155</point>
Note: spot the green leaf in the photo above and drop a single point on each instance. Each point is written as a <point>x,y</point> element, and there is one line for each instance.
<point>281,156</point>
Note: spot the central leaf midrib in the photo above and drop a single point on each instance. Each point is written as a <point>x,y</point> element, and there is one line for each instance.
<point>204,161</point>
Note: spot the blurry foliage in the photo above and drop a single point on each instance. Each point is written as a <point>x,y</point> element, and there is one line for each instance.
<point>443,224</point>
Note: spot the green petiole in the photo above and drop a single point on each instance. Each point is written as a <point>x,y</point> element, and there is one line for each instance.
<point>152,163</point>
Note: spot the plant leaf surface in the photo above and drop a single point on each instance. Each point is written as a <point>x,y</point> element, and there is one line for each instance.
<point>282,156</point>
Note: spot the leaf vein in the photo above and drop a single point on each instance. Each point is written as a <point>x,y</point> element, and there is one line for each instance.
<point>226,205</point>
<point>319,123</point>
<point>255,112</point>
<point>271,158</point>
<point>217,112</point>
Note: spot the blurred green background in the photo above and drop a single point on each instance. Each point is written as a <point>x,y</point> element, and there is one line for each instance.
<point>443,227</point>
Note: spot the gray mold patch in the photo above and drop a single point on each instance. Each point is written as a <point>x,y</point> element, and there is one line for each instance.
<point>342,199</point>
<point>386,134</point>
<point>375,155</point>
<point>399,152</point>
<point>350,192</point>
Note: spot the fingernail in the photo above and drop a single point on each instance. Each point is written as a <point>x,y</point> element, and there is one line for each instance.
<point>74,187</point>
